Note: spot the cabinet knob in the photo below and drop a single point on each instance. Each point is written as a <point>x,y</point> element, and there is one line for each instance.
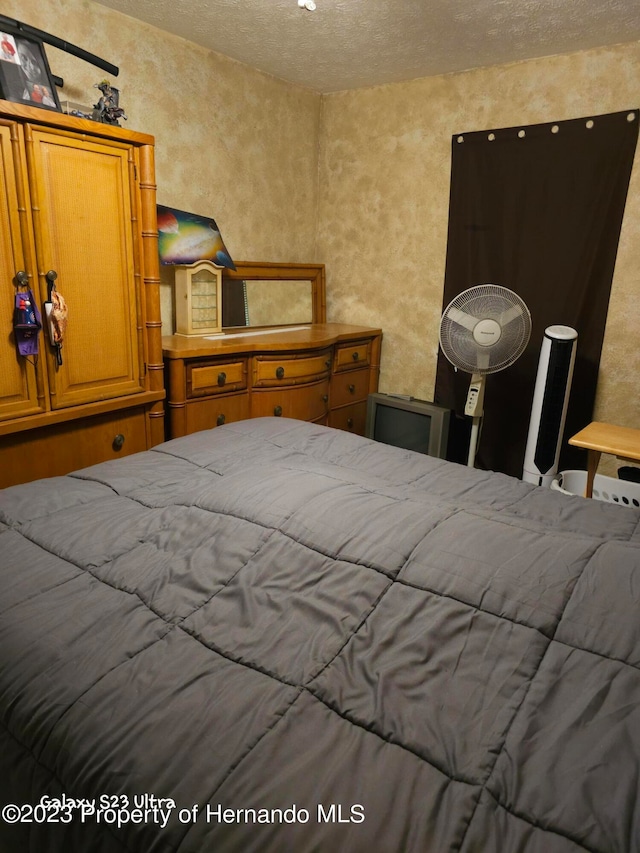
<point>328,362</point>
<point>352,389</point>
<point>279,372</point>
<point>220,420</point>
<point>22,278</point>
<point>118,441</point>
<point>222,378</point>
<point>278,411</point>
<point>350,423</point>
<point>355,356</point>
<point>325,398</point>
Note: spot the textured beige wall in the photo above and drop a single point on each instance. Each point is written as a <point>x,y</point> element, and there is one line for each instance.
<point>357,180</point>
<point>231,143</point>
<point>384,175</point>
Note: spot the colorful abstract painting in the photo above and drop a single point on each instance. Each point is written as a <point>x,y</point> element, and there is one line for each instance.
<point>184,238</point>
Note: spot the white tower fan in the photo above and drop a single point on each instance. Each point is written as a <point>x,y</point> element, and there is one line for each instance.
<point>483,330</point>
<point>550,401</point>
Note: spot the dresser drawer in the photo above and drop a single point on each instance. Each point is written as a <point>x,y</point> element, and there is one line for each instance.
<point>205,414</point>
<point>220,377</point>
<point>349,387</point>
<point>352,355</point>
<point>307,403</point>
<point>350,418</point>
<point>270,371</point>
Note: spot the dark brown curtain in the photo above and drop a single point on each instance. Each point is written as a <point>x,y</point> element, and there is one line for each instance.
<point>537,209</point>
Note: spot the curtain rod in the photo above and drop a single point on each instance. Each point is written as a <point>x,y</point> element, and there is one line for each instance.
<point>573,125</point>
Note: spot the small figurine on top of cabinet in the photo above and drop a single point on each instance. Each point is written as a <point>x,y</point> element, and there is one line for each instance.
<point>107,110</point>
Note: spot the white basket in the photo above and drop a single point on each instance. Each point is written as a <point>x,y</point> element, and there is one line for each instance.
<point>604,488</point>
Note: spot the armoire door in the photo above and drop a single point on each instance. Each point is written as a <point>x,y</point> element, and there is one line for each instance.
<point>19,381</point>
<point>84,214</point>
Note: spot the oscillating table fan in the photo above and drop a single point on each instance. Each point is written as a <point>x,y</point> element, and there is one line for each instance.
<point>483,330</point>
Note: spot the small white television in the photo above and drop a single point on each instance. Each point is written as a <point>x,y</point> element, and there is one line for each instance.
<point>408,423</point>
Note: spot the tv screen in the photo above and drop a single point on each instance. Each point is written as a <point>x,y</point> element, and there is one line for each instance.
<point>408,423</point>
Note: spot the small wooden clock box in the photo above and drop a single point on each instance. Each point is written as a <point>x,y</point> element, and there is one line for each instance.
<point>198,298</point>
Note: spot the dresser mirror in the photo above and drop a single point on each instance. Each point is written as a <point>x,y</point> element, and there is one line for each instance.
<point>259,294</point>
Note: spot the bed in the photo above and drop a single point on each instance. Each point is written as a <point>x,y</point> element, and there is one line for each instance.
<point>276,636</point>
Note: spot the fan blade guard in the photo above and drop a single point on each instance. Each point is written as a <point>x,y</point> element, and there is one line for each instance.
<point>485,329</point>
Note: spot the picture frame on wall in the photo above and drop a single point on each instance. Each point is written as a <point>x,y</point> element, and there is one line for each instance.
<point>25,77</point>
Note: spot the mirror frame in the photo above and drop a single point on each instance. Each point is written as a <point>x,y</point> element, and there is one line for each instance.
<point>267,271</point>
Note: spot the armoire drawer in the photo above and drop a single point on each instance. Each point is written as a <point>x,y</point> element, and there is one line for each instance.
<point>203,380</point>
<point>307,403</point>
<point>349,387</point>
<point>270,371</point>
<point>56,450</point>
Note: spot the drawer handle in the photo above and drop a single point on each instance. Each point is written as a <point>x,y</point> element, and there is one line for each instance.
<point>352,389</point>
<point>222,378</point>
<point>279,372</point>
<point>325,398</point>
<point>355,356</point>
<point>220,420</point>
<point>278,411</point>
<point>118,441</point>
<point>328,363</point>
<point>350,423</point>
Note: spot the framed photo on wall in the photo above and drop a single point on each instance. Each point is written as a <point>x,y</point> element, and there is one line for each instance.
<point>24,71</point>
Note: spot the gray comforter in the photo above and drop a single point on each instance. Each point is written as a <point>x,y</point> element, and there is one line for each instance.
<point>274,636</point>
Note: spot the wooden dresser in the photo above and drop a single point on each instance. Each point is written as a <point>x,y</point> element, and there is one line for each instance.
<point>78,207</point>
<point>321,372</point>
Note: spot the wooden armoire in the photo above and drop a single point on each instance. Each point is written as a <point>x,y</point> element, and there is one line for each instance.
<point>78,207</point>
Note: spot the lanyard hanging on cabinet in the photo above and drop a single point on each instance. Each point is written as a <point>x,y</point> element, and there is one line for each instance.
<point>26,317</point>
<point>56,312</point>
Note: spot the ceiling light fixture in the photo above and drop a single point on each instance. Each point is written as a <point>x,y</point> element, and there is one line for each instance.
<point>309,5</point>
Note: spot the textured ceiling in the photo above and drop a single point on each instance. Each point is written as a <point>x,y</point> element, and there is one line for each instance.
<point>347,44</point>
